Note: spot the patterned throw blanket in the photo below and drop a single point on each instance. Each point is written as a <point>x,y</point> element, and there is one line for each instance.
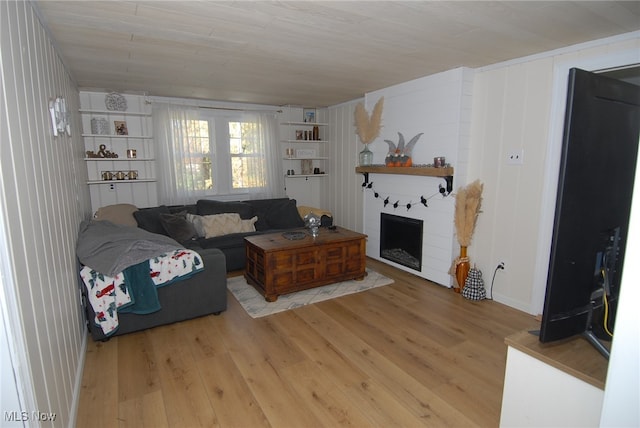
<point>124,265</point>
<point>135,289</point>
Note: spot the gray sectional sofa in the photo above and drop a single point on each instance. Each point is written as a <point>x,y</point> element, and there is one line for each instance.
<point>273,215</point>
<point>205,292</point>
<point>201,294</point>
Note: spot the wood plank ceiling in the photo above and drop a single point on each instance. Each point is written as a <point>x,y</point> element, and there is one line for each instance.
<point>310,53</point>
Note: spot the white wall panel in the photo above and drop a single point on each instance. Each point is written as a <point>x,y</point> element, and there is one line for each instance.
<point>513,116</point>
<point>513,109</point>
<point>344,193</point>
<point>43,198</point>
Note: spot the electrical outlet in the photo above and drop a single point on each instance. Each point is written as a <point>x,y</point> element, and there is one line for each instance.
<point>515,157</point>
<point>502,265</point>
<point>112,187</point>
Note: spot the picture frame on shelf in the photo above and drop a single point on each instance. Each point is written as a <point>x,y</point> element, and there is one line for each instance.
<point>306,167</point>
<point>121,127</point>
<point>305,153</point>
<point>309,115</point>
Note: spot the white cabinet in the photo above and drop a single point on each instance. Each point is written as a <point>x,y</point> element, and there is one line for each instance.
<point>119,150</point>
<point>552,385</point>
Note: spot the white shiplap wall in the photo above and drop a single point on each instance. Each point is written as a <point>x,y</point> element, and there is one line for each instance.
<point>43,199</point>
<point>440,107</point>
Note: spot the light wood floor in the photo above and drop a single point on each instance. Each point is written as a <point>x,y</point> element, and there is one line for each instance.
<point>408,354</point>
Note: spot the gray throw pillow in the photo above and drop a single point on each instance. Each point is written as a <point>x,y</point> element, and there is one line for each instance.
<point>177,227</point>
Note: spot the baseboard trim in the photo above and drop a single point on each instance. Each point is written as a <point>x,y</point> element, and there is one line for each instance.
<point>73,412</point>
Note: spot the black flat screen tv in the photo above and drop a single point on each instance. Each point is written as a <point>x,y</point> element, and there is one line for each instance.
<point>595,186</point>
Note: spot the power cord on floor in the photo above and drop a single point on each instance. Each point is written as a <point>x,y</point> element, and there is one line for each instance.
<point>499,267</point>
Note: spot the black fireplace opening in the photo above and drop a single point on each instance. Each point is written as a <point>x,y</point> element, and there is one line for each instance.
<point>401,240</point>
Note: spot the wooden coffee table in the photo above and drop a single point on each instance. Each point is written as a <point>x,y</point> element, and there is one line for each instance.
<point>277,265</point>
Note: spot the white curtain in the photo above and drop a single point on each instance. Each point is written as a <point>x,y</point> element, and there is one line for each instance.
<point>176,184</point>
<point>178,179</point>
<point>273,179</point>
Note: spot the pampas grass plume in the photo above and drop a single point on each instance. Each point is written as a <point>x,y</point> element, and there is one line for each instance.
<point>468,201</point>
<point>368,128</point>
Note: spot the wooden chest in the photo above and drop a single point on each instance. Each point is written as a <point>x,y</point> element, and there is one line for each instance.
<point>277,265</point>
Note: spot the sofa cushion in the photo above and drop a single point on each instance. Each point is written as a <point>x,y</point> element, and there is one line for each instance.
<point>225,224</point>
<point>177,227</point>
<point>277,213</point>
<point>196,221</point>
<point>210,207</point>
<point>284,215</point>
<point>149,219</point>
<point>118,214</point>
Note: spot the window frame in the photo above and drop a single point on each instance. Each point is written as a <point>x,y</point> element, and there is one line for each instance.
<point>221,156</point>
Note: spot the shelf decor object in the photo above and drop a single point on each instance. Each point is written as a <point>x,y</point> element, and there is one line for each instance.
<point>60,122</point>
<point>368,129</point>
<point>309,115</point>
<point>400,155</point>
<point>114,101</point>
<point>120,127</point>
<point>99,126</point>
<point>305,153</point>
<point>468,201</point>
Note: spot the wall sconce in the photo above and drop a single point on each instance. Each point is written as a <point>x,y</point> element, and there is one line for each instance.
<point>60,122</point>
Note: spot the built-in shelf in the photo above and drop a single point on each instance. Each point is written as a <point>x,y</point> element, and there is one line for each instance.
<point>304,123</point>
<point>139,180</point>
<point>309,158</point>
<point>117,136</point>
<point>426,171</point>
<point>304,141</point>
<point>119,159</point>
<point>115,112</point>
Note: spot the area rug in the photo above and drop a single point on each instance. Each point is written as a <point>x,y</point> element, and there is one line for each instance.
<point>255,305</point>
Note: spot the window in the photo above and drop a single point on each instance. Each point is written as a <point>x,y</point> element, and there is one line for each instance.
<point>247,157</point>
<point>240,148</point>
<point>203,153</point>
<point>196,156</point>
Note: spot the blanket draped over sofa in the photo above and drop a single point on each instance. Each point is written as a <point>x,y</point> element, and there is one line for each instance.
<point>111,248</point>
<point>123,266</point>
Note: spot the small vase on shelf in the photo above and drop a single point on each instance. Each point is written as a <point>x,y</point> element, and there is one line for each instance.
<point>462,269</point>
<point>365,158</point>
